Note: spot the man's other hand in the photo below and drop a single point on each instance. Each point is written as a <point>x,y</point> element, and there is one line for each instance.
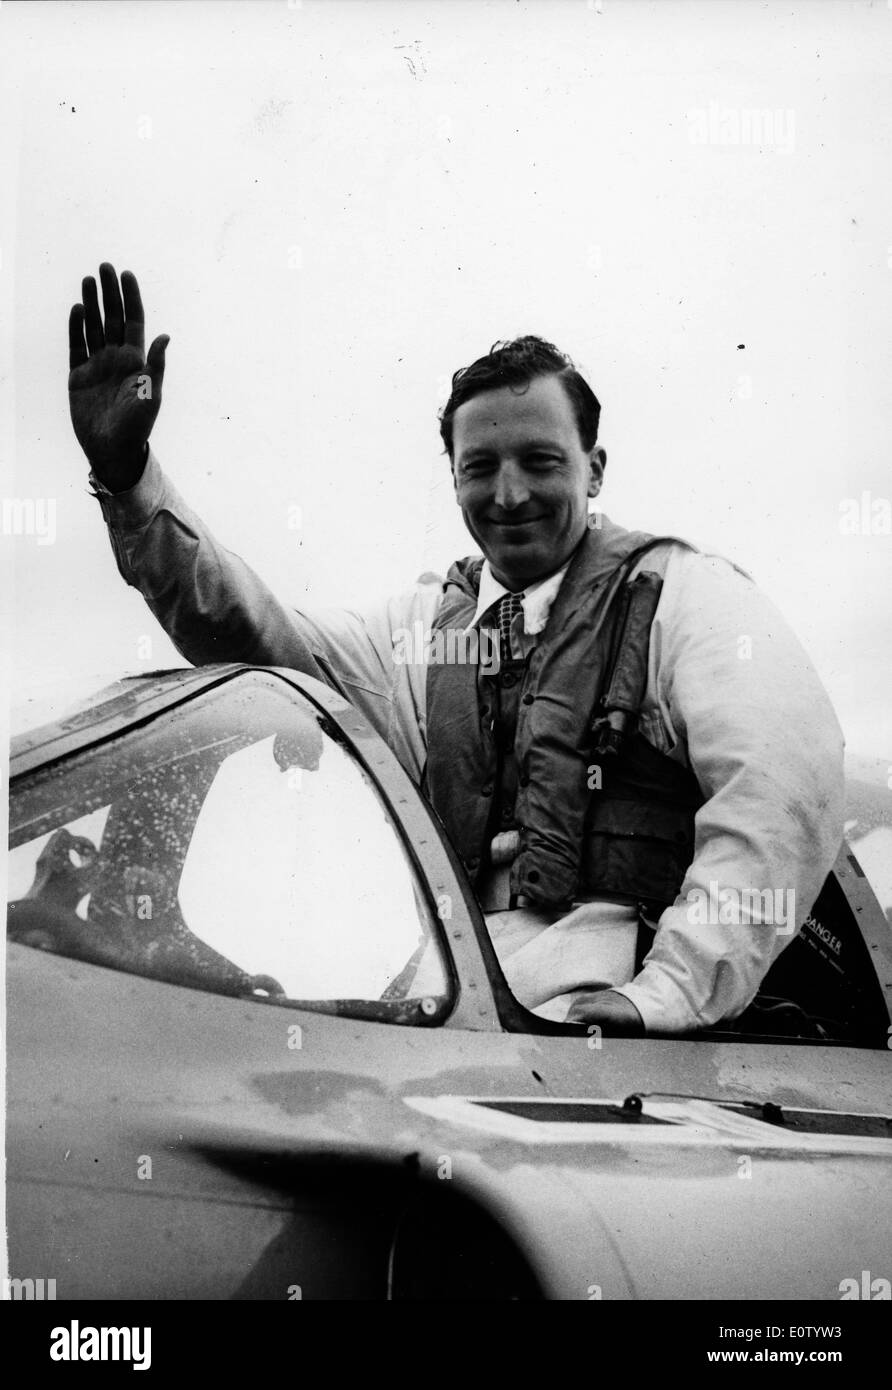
<point>615,1013</point>
<point>114,389</point>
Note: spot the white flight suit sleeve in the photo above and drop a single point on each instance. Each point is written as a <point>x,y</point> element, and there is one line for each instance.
<point>732,692</point>
<point>215,608</point>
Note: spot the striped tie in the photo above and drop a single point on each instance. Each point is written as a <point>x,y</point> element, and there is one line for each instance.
<point>509,606</point>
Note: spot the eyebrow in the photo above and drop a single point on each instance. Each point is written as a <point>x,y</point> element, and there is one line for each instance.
<point>530,446</point>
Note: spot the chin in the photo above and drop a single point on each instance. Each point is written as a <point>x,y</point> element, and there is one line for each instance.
<point>524,558</point>
<point>521,567</point>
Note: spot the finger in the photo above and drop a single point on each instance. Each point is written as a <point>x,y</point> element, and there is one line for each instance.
<point>77,347</point>
<point>92,317</point>
<point>155,362</point>
<point>134,324</point>
<point>111,301</point>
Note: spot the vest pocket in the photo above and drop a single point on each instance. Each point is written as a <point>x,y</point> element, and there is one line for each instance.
<point>636,849</point>
<point>651,726</point>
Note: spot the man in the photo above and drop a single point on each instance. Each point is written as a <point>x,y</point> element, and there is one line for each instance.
<point>652,738</point>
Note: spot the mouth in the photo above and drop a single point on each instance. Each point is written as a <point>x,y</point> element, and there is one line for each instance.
<point>516,525</point>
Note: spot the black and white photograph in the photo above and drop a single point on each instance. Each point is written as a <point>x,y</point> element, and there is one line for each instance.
<point>446,572</point>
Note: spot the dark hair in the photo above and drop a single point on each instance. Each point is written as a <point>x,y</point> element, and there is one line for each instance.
<point>516,364</point>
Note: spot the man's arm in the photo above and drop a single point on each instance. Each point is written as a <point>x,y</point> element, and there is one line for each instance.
<point>209,602</point>
<point>215,608</point>
<point>734,686</point>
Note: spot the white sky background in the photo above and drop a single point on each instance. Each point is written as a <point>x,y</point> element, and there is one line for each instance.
<point>454,173</point>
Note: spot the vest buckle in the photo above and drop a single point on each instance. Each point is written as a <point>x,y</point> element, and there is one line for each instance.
<point>609,731</point>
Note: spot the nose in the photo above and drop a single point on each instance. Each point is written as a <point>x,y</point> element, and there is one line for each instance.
<point>512,490</point>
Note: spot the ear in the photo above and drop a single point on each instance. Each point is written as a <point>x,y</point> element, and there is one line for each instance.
<point>597,464</point>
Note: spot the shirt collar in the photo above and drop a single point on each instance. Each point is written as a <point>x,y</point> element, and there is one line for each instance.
<point>536,601</point>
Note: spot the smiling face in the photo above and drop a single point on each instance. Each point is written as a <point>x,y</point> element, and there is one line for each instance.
<point>523,479</point>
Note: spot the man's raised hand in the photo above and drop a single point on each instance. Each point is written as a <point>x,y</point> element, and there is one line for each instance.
<point>114,389</point>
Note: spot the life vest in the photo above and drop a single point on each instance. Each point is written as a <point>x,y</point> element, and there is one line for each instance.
<point>549,747</point>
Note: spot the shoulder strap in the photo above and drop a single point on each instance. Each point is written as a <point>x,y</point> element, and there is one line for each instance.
<point>616,713</point>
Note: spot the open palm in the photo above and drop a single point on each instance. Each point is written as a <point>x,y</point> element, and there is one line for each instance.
<point>114,389</point>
